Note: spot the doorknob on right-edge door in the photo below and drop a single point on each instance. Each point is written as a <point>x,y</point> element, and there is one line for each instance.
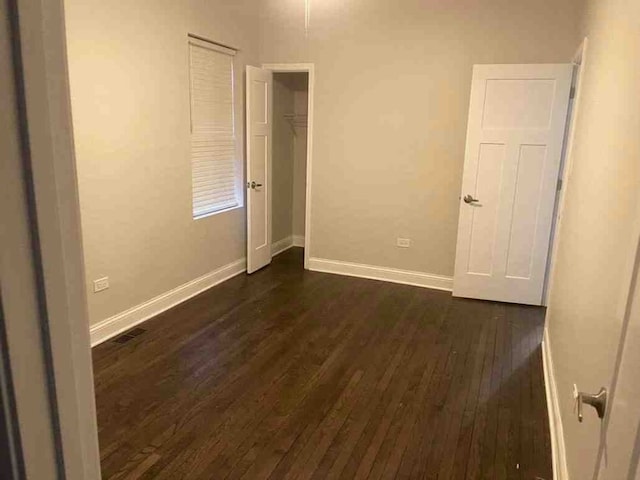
<point>469,199</point>
<point>597,401</point>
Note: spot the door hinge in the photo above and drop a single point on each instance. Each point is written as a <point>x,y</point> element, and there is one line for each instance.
<point>559,186</point>
<point>572,92</point>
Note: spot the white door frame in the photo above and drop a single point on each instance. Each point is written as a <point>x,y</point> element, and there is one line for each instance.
<point>566,166</point>
<point>57,252</point>
<point>558,451</point>
<point>304,68</point>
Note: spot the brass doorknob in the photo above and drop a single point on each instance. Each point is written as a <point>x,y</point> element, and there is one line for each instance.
<point>470,199</point>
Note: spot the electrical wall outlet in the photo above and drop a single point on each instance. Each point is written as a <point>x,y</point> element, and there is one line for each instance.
<point>100,284</point>
<point>403,242</point>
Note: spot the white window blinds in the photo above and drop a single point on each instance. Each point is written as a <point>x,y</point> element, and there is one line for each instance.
<point>213,147</point>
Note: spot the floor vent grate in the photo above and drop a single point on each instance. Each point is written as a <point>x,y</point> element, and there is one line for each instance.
<point>136,331</point>
<point>130,335</point>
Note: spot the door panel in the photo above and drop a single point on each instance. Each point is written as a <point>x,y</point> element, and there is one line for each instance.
<point>484,220</point>
<point>525,211</point>
<point>259,134</point>
<point>259,100</point>
<point>619,452</point>
<point>259,230</point>
<point>517,117</point>
<point>517,103</point>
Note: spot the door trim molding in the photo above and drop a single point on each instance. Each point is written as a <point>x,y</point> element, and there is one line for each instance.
<point>310,69</point>
<point>566,166</point>
<point>558,450</point>
<point>58,255</point>
<point>386,274</point>
<point>115,325</point>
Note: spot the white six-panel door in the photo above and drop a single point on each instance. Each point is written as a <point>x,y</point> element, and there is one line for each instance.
<point>515,131</point>
<point>259,133</point>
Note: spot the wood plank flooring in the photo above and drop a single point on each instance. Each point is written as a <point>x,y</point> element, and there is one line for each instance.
<point>289,374</point>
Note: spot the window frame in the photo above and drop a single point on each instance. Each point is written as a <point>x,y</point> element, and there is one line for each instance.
<point>238,167</point>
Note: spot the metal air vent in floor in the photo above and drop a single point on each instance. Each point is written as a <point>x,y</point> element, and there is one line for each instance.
<point>130,335</point>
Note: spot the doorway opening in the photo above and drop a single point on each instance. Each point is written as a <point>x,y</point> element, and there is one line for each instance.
<point>279,109</point>
<point>289,160</point>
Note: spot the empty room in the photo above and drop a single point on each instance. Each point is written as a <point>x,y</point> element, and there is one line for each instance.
<point>317,239</point>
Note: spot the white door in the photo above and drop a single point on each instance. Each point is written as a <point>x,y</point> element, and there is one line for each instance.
<point>517,116</point>
<point>259,133</point>
<point>619,451</point>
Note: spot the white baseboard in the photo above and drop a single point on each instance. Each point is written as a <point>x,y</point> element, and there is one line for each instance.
<point>558,452</point>
<point>286,243</point>
<point>117,324</point>
<point>407,277</point>
<point>281,245</point>
<point>298,240</point>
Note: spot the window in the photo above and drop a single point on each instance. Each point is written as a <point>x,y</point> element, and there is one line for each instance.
<point>213,144</point>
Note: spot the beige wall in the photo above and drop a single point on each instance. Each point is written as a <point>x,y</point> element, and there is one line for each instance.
<point>391,101</point>
<point>282,158</point>
<point>392,89</point>
<point>128,66</point>
<point>600,222</point>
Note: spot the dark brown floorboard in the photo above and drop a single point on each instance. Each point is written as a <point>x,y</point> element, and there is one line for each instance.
<point>301,375</point>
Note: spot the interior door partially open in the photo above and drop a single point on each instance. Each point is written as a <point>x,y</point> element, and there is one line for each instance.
<point>517,117</point>
<point>259,100</point>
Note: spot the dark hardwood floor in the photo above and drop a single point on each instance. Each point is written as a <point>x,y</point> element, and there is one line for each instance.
<point>294,374</point>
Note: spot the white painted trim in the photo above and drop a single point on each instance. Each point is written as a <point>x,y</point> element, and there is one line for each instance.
<point>394,275</point>
<point>309,68</point>
<point>117,324</point>
<point>579,56</point>
<point>298,240</point>
<point>60,268</point>
<point>281,245</point>
<point>579,59</point>
<point>286,243</point>
<point>558,452</point>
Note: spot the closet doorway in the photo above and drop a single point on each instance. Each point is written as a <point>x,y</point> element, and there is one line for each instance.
<point>291,156</point>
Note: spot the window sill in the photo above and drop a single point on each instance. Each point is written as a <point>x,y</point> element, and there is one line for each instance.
<point>217,212</point>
